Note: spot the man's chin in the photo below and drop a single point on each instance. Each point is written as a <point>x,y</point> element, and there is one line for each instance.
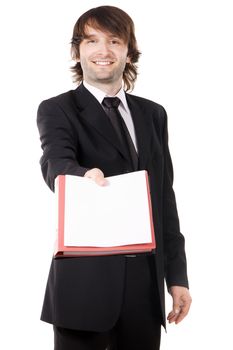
<point>104,79</point>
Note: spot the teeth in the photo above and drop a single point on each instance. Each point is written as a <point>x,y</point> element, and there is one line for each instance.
<point>103,63</point>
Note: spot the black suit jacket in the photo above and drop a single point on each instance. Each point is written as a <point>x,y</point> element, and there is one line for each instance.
<point>76,135</point>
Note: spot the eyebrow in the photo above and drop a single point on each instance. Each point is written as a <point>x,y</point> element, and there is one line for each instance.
<point>88,36</point>
<point>112,36</point>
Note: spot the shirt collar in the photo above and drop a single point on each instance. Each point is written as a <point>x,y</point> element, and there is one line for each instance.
<point>100,95</point>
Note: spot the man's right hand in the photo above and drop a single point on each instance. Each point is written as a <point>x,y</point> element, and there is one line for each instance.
<point>96,175</point>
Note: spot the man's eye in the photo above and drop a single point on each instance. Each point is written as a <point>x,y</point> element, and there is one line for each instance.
<point>114,42</point>
<point>91,41</point>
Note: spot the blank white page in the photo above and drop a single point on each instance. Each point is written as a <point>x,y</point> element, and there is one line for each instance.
<point>105,216</point>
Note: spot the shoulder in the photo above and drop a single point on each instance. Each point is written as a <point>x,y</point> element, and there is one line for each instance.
<point>56,102</point>
<point>149,108</point>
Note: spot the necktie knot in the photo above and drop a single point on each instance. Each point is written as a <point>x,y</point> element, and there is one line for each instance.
<point>111,102</point>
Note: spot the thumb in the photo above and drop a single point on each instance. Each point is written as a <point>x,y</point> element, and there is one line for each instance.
<point>176,305</point>
<point>175,312</point>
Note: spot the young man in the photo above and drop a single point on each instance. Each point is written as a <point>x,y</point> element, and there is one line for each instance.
<point>114,302</point>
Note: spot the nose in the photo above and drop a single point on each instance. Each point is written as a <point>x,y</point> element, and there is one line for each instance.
<point>104,47</point>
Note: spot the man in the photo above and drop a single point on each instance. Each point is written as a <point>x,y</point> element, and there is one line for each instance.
<point>114,302</point>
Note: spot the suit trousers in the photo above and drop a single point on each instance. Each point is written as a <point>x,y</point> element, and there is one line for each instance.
<point>139,322</point>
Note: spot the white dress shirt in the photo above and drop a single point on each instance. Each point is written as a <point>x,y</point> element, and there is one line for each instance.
<point>123,107</point>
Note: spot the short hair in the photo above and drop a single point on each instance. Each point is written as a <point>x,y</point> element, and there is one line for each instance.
<point>110,19</point>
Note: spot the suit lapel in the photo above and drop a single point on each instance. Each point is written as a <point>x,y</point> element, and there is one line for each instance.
<point>92,112</point>
<point>142,130</point>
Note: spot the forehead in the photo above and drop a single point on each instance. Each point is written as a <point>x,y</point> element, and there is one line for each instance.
<point>100,32</point>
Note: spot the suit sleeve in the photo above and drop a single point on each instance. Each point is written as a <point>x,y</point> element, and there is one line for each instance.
<point>58,142</point>
<point>174,242</point>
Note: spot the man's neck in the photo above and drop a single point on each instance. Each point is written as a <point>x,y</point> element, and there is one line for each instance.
<point>109,89</point>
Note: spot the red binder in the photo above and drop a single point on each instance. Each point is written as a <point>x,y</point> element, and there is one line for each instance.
<point>73,195</point>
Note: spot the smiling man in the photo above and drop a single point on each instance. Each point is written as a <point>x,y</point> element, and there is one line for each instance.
<point>99,130</point>
<point>103,57</point>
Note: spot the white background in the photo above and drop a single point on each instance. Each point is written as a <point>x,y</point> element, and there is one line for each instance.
<point>186,66</point>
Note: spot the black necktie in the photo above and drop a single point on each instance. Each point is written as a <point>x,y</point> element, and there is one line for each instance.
<point>111,105</point>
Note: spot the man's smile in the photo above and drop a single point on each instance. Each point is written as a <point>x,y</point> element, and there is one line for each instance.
<point>103,63</point>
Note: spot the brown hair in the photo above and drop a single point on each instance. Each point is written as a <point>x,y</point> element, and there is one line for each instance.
<point>113,20</point>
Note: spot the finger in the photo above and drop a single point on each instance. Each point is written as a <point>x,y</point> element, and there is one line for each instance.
<point>173,313</point>
<point>101,181</point>
<point>184,311</point>
<point>172,319</point>
<point>180,317</point>
<point>176,308</point>
<point>172,316</point>
<point>96,175</point>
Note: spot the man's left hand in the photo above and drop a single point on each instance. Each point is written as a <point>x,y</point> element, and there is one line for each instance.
<point>181,303</point>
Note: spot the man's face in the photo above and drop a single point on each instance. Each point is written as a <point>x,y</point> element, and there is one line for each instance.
<point>103,57</point>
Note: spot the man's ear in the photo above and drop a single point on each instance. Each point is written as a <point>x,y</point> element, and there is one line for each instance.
<point>128,59</point>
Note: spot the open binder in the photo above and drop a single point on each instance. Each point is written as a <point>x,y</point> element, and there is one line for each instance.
<point>104,220</point>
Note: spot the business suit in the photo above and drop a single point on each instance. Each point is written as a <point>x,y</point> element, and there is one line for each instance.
<point>86,293</point>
